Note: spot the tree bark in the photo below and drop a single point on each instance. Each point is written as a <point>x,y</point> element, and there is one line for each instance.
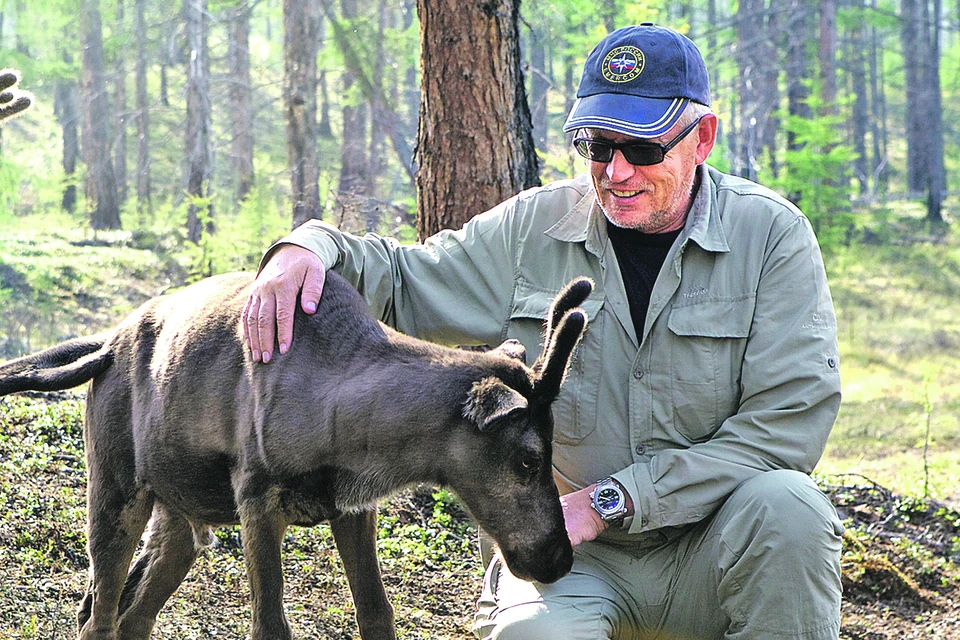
<point>857,70</point>
<point>300,104</point>
<point>101,180</point>
<point>199,149</point>
<point>120,102</point>
<point>475,145</point>
<point>143,116</point>
<point>241,99</point>
<point>65,107</point>
<point>352,197</point>
<point>914,53</point>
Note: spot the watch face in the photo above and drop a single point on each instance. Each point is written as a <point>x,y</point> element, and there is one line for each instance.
<point>608,499</point>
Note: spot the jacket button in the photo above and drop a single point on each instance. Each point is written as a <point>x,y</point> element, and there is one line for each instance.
<point>832,363</point>
<point>641,449</point>
<point>638,374</point>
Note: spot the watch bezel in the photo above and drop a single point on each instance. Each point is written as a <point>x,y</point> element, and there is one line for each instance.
<point>616,514</point>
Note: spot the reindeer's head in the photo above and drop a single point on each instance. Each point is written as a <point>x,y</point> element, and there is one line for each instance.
<point>506,478</point>
<point>13,101</point>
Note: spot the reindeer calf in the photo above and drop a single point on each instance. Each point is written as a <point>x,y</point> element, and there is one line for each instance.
<point>184,431</point>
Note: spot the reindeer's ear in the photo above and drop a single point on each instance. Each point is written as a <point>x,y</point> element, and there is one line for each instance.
<point>514,349</point>
<point>554,369</point>
<point>489,400</point>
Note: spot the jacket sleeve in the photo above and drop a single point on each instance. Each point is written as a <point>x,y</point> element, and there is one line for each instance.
<point>454,288</point>
<point>790,395</point>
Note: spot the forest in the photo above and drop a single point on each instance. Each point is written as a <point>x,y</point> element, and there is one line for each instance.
<point>187,118</point>
<point>169,141</point>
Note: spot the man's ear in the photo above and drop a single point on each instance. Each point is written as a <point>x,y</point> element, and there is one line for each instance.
<point>490,400</point>
<point>707,134</point>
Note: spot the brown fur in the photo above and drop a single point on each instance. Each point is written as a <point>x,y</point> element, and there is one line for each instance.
<point>184,431</point>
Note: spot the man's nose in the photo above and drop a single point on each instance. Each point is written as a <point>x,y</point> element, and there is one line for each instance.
<point>618,169</point>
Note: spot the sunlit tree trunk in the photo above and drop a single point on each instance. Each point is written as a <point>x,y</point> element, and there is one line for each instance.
<point>241,99</point>
<point>120,102</point>
<point>352,197</point>
<point>300,103</point>
<point>475,146</point>
<point>65,107</point>
<point>96,138</point>
<point>143,115</point>
<point>199,147</point>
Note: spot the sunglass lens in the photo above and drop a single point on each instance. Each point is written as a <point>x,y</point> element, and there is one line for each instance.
<point>643,155</point>
<point>594,151</point>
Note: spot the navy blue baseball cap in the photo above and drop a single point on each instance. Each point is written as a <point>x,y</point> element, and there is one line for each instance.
<point>637,81</point>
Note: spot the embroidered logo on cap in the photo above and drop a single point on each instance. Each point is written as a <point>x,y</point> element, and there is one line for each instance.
<point>623,64</point>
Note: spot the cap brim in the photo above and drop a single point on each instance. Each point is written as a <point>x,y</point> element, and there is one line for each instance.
<point>626,114</point>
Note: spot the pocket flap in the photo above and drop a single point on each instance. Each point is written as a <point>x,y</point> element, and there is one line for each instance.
<point>530,302</point>
<point>718,318</point>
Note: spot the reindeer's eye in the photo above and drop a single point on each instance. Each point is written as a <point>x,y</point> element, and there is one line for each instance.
<point>529,463</point>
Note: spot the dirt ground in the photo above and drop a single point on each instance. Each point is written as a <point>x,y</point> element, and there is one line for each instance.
<point>900,572</point>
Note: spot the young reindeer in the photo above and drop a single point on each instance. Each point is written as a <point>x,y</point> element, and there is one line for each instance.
<point>185,431</point>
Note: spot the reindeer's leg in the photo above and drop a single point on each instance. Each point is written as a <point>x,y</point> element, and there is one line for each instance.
<point>167,556</point>
<point>262,531</point>
<point>117,516</point>
<point>356,538</point>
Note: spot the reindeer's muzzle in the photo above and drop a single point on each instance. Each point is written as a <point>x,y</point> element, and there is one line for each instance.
<point>547,562</point>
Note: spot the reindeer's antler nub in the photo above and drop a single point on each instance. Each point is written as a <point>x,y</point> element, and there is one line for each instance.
<point>569,297</point>
<point>13,101</point>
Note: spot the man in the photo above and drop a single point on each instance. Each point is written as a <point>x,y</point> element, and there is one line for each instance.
<point>702,393</point>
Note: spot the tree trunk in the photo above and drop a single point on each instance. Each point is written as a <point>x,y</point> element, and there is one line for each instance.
<point>878,101</point>
<point>799,30</point>
<point>539,86</point>
<point>143,116</point>
<point>101,180</point>
<point>856,68</point>
<point>241,99</point>
<point>828,55</point>
<point>914,53</point>
<point>120,102</point>
<point>65,106</point>
<point>937,184</point>
<point>372,211</point>
<point>300,103</point>
<point>351,192</point>
<point>199,150</point>
<point>475,146</point>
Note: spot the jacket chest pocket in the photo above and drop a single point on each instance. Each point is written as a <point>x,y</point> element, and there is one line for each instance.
<point>707,343</point>
<point>575,410</point>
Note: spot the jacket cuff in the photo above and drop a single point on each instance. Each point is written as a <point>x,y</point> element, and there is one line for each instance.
<point>640,493</point>
<point>312,236</point>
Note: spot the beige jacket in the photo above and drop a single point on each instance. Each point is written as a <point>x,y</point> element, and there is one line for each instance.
<point>737,371</point>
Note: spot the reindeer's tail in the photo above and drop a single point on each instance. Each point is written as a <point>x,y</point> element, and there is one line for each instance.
<point>61,367</point>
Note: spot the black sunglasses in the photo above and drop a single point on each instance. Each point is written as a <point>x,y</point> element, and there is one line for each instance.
<point>641,154</point>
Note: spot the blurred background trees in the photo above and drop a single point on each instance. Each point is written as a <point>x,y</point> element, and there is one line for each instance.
<point>151,116</point>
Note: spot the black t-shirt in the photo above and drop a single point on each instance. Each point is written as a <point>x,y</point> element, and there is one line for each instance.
<point>640,256</point>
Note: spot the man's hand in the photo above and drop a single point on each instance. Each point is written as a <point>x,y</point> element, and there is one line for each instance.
<point>583,523</point>
<point>268,314</point>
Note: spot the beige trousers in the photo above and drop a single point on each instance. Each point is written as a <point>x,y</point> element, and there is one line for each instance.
<point>765,565</point>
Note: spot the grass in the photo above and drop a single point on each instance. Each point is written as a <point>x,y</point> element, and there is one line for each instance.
<point>898,427</point>
<point>899,332</point>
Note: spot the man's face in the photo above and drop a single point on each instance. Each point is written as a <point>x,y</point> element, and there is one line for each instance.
<point>655,198</point>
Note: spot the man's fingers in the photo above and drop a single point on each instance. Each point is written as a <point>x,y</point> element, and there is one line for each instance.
<point>266,321</point>
<point>312,288</point>
<point>285,306</point>
<point>251,329</point>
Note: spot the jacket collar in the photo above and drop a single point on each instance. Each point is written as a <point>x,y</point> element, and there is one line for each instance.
<point>586,223</point>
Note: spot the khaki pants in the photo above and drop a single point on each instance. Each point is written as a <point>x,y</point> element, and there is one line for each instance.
<point>765,565</point>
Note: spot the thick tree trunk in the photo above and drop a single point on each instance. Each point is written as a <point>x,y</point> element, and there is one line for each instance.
<point>101,180</point>
<point>241,99</point>
<point>475,146</point>
<point>914,54</point>
<point>199,149</point>
<point>352,197</point>
<point>65,106</point>
<point>300,103</point>
<point>143,115</point>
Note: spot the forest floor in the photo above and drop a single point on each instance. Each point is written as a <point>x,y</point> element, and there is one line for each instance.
<point>901,578</point>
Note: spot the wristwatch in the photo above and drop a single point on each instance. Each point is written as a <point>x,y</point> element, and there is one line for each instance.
<point>609,500</point>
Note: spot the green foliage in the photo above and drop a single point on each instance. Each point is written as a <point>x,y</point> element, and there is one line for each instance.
<point>817,174</point>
